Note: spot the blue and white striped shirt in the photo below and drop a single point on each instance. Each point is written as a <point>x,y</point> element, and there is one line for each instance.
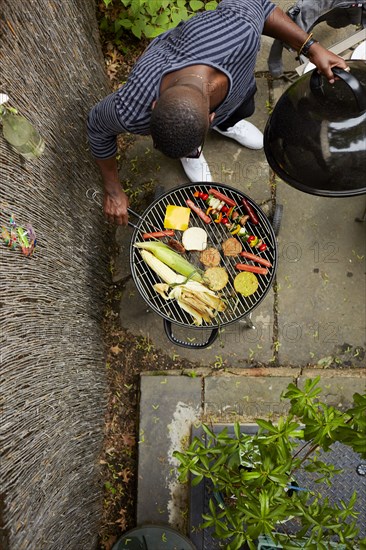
<point>227,39</point>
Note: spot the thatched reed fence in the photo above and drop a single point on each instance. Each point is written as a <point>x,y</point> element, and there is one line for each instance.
<point>53,387</point>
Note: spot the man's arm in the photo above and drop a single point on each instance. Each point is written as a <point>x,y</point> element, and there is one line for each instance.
<point>115,202</point>
<point>279,25</point>
<point>103,126</point>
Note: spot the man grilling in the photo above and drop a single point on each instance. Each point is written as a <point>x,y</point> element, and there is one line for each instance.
<point>197,76</point>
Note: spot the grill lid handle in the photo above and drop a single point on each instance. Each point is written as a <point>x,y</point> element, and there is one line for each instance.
<point>316,85</point>
<point>174,340</point>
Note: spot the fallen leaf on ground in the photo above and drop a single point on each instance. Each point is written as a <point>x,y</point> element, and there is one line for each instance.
<point>129,440</point>
<point>116,350</point>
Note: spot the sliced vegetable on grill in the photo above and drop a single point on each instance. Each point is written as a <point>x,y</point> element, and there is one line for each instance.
<point>200,195</point>
<point>216,278</point>
<point>243,234</point>
<point>246,283</point>
<point>171,258</point>
<point>194,238</point>
<point>198,301</point>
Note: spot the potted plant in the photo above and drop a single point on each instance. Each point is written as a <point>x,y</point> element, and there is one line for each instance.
<point>253,476</point>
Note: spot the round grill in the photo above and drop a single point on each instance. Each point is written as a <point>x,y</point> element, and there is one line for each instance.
<point>238,306</point>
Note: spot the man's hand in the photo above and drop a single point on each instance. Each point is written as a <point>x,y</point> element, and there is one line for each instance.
<point>115,206</point>
<point>324,60</point>
<point>115,199</point>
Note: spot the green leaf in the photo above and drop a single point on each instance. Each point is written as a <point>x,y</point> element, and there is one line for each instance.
<point>125,23</point>
<point>211,5</point>
<point>266,425</point>
<point>178,16</point>
<point>153,6</point>
<point>212,507</point>
<point>195,5</point>
<point>137,30</point>
<point>250,475</point>
<point>197,480</point>
<point>162,19</point>
<point>210,433</point>
<point>135,7</point>
<point>237,430</point>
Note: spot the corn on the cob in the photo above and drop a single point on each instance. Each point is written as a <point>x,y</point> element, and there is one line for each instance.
<point>172,259</point>
<point>162,270</point>
<point>192,296</point>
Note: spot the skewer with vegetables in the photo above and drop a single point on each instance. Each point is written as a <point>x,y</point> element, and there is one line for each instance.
<point>221,209</point>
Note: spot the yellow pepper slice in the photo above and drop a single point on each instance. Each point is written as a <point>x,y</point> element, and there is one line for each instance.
<point>236,230</point>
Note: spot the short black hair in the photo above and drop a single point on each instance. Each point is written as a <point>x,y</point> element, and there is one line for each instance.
<point>178,122</point>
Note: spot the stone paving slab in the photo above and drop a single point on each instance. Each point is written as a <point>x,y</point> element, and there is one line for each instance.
<point>338,386</point>
<point>237,399</point>
<point>168,407</point>
<point>320,272</point>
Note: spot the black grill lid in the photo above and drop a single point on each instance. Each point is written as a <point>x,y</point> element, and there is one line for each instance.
<point>315,139</point>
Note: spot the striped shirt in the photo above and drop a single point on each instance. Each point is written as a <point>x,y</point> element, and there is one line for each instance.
<point>227,39</point>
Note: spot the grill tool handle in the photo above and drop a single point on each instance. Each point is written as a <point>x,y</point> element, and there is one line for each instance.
<point>174,340</point>
<point>132,213</point>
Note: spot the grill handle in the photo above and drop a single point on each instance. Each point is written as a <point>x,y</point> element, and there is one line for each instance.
<point>174,340</point>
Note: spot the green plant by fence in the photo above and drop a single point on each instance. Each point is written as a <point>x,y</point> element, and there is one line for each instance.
<point>149,18</point>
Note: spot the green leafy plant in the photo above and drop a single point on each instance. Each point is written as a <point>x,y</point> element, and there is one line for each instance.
<point>149,18</point>
<point>254,475</point>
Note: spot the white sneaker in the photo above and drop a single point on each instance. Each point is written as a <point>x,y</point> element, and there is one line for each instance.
<point>245,133</point>
<point>196,169</point>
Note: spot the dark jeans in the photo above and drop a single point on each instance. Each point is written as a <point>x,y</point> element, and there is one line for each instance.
<point>245,110</point>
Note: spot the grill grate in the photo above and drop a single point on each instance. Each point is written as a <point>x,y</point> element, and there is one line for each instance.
<point>237,306</point>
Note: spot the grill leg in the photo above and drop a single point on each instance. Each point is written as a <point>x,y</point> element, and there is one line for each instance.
<point>247,321</point>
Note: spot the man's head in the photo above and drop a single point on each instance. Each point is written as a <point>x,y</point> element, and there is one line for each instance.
<point>179,121</point>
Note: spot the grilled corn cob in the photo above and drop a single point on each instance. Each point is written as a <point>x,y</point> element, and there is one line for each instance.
<point>172,259</point>
<point>162,270</point>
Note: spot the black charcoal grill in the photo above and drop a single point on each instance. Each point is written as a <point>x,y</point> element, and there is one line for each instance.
<point>238,306</point>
